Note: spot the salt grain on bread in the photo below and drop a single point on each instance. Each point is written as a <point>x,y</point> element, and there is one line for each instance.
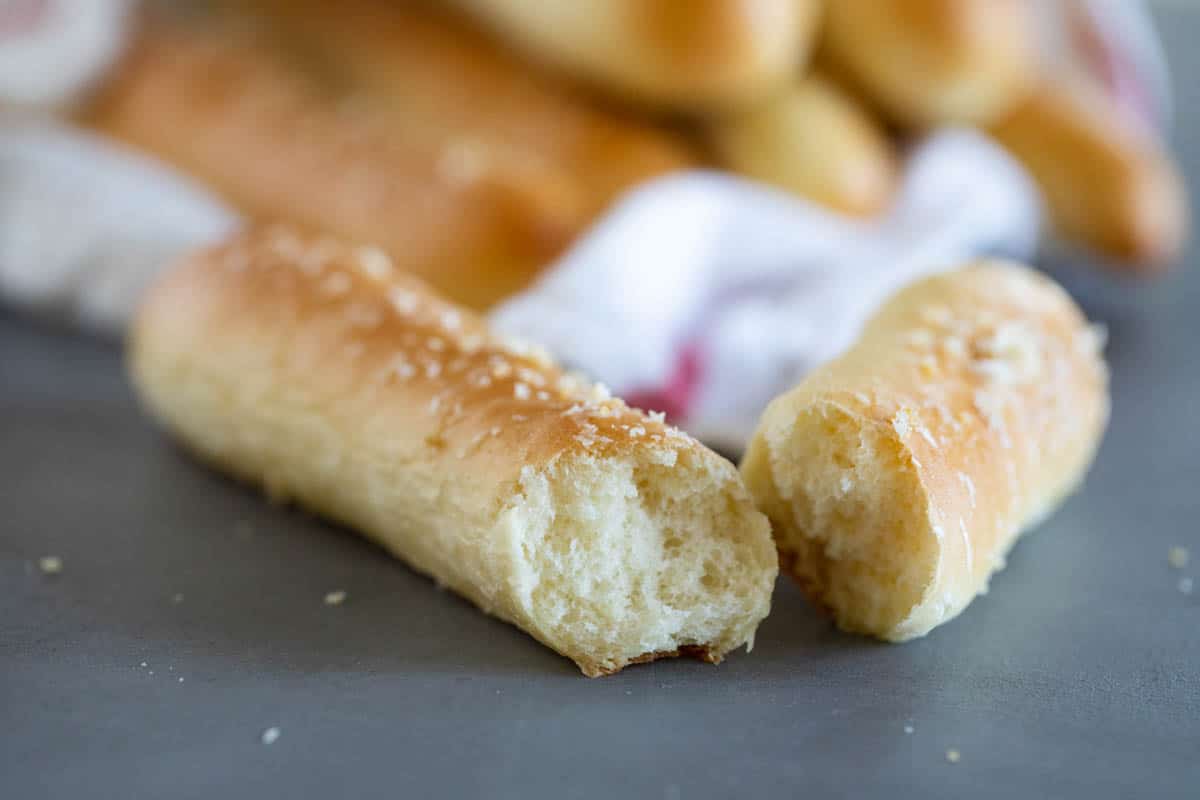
<point>898,476</point>
<point>540,505</point>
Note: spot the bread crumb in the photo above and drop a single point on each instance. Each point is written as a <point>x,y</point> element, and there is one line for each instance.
<point>181,679</point>
<point>335,598</point>
<point>270,735</point>
<point>1185,585</point>
<point>1178,557</point>
<point>908,729</point>
<point>144,664</point>
<point>50,565</point>
<point>953,756</point>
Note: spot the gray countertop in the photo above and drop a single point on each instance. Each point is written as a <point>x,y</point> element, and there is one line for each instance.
<point>1078,675</point>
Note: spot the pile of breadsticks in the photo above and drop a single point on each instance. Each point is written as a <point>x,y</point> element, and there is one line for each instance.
<point>412,157</point>
<point>895,478</point>
<point>504,128</point>
<point>811,95</point>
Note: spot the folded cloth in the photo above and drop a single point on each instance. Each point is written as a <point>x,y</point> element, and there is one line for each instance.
<point>704,295</point>
<point>85,225</point>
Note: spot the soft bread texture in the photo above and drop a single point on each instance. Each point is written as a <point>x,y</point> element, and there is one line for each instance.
<point>672,55</point>
<point>1107,184</point>
<point>935,62</point>
<point>898,476</point>
<point>448,177</point>
<point>816,141</point>
<point>321,373</point>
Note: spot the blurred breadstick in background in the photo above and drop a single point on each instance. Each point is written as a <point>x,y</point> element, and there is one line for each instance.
<point>931,62</point>
<point>452,195</point>
<point>1107,183</point>
<point>436,70</point>
<point>679,55</point>
<point>814,140</point>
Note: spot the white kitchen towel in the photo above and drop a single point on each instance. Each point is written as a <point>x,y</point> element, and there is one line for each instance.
<point>704,295</point>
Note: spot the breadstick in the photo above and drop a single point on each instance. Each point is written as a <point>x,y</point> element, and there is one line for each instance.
<point>322,373</point>
<point>476,213</point>
<point>935,62</point>
<point>1106,184</point>
<point>815,141</point>
<point>697,55</point>
<point>454,80</point>
<point>898,476</point>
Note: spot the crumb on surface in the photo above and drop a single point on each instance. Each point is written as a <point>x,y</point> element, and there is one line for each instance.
<point>50,565</point>
<point>953,756</point>
<point>1178,557</point>
<point>1186,585</point>
<point>908,729</point>
<point>270,735</point>
<point>335,598</point>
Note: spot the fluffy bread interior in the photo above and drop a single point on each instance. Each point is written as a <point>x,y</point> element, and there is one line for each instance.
<point>628,558</point>
<point>861,541</point>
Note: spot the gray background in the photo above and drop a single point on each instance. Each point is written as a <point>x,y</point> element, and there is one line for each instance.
<point>1078,675</point>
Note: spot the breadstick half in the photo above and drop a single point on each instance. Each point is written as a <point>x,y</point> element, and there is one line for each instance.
<point>898,476</point>
<point>318,371</point>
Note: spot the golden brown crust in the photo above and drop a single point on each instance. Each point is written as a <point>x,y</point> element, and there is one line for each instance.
<point>988,391</point>
<point>698,652</point>
<point>674,55</point>
<point>319,371</point>
<point>389,332</point>
<point>433,175</point>
<point>1107,185</point>
<point>933,62</point>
